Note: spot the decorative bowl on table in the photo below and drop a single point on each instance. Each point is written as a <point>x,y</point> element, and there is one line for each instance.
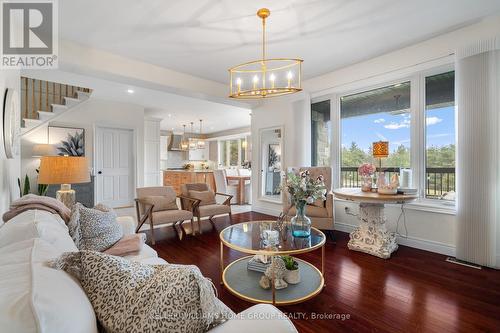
<point>387,190</point>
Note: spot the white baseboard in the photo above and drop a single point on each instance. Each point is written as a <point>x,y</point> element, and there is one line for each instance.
<point>418,243</point>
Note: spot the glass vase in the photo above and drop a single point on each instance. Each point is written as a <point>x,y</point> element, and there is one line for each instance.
<point>300,223</point>
<point>366,183</point>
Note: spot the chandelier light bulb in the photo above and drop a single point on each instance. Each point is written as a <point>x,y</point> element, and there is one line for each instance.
<point>289,76</point>
<point>272,78</point>
<point>238,83</point>
<point>255,80</point>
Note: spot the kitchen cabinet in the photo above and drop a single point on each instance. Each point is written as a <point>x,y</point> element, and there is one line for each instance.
<point>176,178</point>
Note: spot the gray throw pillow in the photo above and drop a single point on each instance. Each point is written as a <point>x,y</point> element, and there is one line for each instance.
<point>94,229</point>
<point>133,297</point>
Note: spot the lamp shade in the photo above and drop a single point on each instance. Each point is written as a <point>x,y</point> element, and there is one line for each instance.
<point>380,149</point>
<point>63,170</point>
<point>43,150</point>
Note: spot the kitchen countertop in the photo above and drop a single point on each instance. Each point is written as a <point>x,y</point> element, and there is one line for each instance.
<point>183,170</point>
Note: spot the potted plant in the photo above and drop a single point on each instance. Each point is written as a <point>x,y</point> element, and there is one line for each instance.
<point>292,274</point>
<point>303,190</point>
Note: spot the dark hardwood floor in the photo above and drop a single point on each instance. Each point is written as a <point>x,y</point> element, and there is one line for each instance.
<point>414,291</point>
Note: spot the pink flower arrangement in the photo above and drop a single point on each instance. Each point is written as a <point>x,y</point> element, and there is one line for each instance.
<point>366,169</point>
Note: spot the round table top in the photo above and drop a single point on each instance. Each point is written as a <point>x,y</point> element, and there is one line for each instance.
<point>355,194</point>
<point>244,283</point>
<point>245,237</point>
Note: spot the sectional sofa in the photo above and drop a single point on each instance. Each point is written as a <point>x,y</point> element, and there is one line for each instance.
<point>36,298</point>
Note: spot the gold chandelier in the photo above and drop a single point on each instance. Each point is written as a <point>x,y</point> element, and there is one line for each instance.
<point>265,77</point>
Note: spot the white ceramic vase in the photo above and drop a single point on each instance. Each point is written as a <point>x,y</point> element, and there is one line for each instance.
<point>292,277</point>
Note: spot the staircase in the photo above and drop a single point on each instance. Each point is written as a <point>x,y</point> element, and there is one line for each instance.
<point>44,101</point>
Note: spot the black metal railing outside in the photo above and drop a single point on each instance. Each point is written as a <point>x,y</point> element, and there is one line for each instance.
<point>438,180</point>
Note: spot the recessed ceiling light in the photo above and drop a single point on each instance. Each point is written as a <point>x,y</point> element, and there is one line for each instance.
<point>169,115</point>
<point>130,91</point>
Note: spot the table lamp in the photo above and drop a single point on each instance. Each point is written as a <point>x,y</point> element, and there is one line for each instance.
<point>64,170</point>
<point>380,151</point>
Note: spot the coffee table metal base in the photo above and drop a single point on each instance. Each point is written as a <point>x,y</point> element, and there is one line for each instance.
<point>244,284</point>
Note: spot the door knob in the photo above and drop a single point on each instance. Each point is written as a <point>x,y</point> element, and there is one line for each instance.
<point>99,172</point>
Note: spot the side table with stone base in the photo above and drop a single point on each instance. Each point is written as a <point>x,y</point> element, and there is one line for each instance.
<point>372,236</point>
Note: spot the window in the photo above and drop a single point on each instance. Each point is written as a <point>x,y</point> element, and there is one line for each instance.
<point>321,133</point>
<point>223,153</point>
<point>232,152</point>
<point>381,114</point>
<point>244,144</point>
<point>420,132</point>
<point>440,136</point>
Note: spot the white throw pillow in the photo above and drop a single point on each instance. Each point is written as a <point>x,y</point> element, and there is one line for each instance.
<point>37,224</point>
<point>36,298</point>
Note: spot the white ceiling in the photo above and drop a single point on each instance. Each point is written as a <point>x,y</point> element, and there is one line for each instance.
<point>205,37</point>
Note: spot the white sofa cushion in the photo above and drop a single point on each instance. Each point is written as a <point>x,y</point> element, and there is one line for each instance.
<point>37,224</point>
<point>36,298</point>
<point>258,318</point>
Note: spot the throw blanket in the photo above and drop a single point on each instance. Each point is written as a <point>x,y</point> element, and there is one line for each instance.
<point>133,297</point>
<point>32,201</point>
<point>128,245</point>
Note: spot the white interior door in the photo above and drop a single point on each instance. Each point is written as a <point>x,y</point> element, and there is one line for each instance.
<point>114,162</point>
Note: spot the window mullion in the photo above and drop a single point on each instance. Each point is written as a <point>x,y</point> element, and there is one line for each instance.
<point>336,140</point>
<point>418,133</point>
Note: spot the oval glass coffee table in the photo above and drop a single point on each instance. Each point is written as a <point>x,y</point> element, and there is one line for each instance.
<point>243,283</point>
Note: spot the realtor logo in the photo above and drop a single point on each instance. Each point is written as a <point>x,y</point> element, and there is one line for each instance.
<point>29,34</point>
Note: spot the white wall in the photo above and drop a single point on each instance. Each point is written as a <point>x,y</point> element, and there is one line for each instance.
<point>430,230</point>
<point>9,169</point>
<point>291,114</point>
<point>93,112</point>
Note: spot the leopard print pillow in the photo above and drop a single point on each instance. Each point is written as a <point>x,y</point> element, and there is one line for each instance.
<point>94,229</point>
<point>133,297</point>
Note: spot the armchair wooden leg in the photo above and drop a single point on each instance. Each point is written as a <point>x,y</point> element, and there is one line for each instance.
<point>183,231</point>
<point>193,232</point>
<point>230,218</point>
<point>212,222</point>
<point>152,231</point>
<point>199,224</point>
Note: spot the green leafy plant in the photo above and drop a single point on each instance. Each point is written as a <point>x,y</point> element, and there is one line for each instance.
<point>290,263</point>
<point>26,187</point>
<point>73,146</point>
<point>302,188</point>
<point>42,188</point>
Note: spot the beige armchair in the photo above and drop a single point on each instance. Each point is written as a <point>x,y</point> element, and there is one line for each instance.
<point>202,202</point>
<point>320,213</point>
<point>159,206</point>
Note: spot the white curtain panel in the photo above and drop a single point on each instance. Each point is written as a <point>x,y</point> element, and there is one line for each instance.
<point>477,90</point>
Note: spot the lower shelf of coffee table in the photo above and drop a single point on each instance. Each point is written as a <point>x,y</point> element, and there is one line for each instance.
<point>244,284</point>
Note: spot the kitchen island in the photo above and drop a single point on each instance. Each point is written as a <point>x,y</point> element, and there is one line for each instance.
<point>176,178</point>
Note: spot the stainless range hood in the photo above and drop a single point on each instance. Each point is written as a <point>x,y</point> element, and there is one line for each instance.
<point>174,144</point>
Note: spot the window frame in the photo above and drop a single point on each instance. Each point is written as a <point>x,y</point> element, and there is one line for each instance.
<point>224,161</point>
<point>416,77</point>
